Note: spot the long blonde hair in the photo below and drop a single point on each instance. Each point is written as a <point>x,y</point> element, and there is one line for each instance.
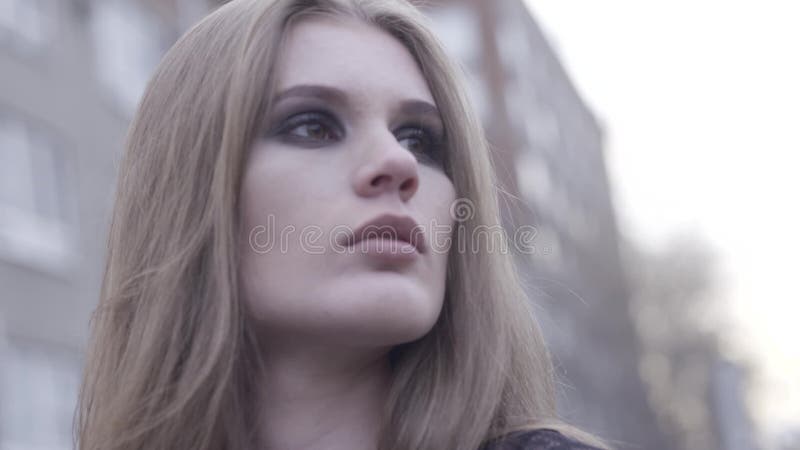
<point>172,358</point>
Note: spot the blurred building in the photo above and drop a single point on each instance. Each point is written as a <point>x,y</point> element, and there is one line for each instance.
<point>548,148</point>
<point>733,422</point>
<point>695,391</point>
<point>71,73</point>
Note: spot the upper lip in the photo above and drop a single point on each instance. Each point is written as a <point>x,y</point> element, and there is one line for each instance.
<point>391,226</point>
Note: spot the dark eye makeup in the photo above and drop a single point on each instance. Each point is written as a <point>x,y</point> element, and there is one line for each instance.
<point>319,128</point>
<point>423,142</point>
<point>310,128</point>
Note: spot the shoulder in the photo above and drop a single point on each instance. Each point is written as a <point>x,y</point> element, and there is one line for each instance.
<point>541,439</point>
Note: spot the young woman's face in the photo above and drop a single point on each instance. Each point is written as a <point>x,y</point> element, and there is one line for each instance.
<point>353,136</point>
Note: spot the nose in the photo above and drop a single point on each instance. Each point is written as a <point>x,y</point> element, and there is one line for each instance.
<point>389,168</point>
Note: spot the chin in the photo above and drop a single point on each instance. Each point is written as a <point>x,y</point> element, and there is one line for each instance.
<point>385,315</point>
<point>378,310</point>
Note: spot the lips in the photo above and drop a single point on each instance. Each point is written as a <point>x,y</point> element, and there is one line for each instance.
<point>389,226</point>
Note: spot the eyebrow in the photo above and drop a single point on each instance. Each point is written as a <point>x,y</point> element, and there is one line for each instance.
<point>335,95</point>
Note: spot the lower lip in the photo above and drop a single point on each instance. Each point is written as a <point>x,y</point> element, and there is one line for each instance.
<point>386,249</point>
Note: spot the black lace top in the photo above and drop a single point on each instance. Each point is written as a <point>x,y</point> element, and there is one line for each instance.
<point>542,439</point>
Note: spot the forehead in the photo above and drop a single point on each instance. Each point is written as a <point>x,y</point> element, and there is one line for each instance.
<point>361,59</point>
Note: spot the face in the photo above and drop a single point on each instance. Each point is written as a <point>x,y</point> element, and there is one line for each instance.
<point>353,139</point>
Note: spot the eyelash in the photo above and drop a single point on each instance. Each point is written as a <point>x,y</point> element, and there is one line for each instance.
<point>429,138</point>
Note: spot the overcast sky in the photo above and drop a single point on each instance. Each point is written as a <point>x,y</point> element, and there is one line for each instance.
<point>700,101</point>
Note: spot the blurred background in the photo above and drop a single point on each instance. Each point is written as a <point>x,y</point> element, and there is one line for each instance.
<point>653,145</point>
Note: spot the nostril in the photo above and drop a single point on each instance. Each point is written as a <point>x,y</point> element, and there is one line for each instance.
<point>408,184</point>
<point>377,180</point>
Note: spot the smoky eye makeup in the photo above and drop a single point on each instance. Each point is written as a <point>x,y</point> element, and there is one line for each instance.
<point>304,123</point>
<point>311,127</point>
<point>424,140</point>
<point>312,124</point>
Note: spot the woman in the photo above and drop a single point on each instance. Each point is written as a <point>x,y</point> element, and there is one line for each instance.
<point>252,297</point>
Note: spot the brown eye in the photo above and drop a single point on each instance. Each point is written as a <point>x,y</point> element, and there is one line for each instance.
<point>310,128</point>
<point>422,144</point>
<point>413,144</point>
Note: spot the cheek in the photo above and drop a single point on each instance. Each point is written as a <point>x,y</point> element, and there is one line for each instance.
<point>266,202</point>
<point>439,207</point>
<point>441,239</point>
<point>263,191</point>
<point>288,186</point>
<point>276,207</point>
<point>448,204</point>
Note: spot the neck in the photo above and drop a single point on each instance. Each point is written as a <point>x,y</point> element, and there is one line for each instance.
<point>320,397</point>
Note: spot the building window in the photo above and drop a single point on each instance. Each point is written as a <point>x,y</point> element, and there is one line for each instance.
<point>128,45</point>
<point>543,129</point>
<point>26,25</point>
<point>35,199</point>
<point>38,394</point>
<point>458,28</point>
<point>534,179</point>
<point>548,247</point>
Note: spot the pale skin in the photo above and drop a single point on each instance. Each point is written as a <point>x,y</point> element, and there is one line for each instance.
<point>329,319</point>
